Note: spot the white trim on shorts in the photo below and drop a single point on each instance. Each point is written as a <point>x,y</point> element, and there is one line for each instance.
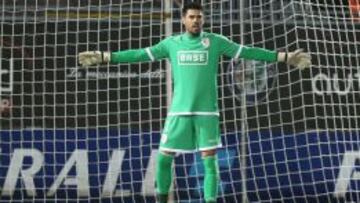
<point>177,150</point>
<point>196,113</point>
<point>190,150</point>
<point>211,147</point>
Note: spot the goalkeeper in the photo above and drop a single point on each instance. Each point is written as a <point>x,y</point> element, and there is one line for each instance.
<point>192,123</point>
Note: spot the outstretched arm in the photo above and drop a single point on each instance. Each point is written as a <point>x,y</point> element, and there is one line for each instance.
<point>88,58</point>
<point>156,52</point>
<point>297,58</point>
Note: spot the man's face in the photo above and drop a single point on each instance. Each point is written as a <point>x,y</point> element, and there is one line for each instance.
<point>193,21</point>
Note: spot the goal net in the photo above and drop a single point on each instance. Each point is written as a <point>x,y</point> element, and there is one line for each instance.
<point>73,134</point>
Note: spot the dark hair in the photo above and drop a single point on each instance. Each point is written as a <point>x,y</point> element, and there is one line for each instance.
<point>192,5</point>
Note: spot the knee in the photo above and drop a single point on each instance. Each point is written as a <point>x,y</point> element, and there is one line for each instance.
<point>208,153</point>
<point>167,153</point>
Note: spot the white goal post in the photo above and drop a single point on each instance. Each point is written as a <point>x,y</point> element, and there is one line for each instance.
<point>70,134</point>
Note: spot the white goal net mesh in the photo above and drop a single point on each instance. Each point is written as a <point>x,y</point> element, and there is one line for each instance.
<point>70,134</point>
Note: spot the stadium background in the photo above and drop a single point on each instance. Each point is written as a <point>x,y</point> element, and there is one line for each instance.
<point>59,107</point>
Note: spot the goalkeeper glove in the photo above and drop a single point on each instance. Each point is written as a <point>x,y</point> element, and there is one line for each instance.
<point>88,58</point>
<point>296,58</point>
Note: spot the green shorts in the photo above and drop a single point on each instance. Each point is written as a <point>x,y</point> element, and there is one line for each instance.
<point>190,133</point>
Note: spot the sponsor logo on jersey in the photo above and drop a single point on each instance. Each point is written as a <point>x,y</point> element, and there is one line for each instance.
<point>192,57</point>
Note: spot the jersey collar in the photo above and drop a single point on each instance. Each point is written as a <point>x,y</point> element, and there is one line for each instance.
<point>189,36</point>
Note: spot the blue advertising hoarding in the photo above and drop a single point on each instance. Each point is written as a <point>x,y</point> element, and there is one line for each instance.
<point>98,164</point>
<point>108,164</point>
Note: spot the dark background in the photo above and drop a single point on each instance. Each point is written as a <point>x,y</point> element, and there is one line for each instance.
<point>44,40</point>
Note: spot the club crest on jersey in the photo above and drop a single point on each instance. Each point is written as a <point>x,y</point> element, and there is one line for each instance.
<point>205,42</point>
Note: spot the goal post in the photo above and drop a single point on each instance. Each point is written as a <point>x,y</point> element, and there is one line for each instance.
<point>71,134</point>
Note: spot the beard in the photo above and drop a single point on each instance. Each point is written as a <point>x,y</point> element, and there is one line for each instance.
<point>195,30</point>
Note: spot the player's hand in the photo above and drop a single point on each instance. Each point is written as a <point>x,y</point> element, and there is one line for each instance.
<point>89,58</point>
<point>297,58</point>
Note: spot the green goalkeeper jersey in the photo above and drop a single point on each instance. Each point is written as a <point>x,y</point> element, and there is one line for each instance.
<point>194,63</point>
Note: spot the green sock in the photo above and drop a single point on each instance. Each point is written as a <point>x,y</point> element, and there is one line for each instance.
<point>211,178</point>
<point>163,173</point>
